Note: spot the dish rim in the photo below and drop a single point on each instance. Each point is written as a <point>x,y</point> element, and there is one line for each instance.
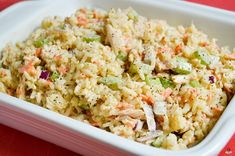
<point>88,130</point>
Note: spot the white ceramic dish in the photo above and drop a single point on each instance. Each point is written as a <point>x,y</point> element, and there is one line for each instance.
<point>20,19</point>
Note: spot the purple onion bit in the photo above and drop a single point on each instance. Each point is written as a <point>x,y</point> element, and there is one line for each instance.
<point>212,79</point>
<point>44,75</point>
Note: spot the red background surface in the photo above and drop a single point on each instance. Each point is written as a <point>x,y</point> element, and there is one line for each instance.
<point>16,143</point>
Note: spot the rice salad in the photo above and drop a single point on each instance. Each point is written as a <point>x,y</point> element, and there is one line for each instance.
<point>138,78</point>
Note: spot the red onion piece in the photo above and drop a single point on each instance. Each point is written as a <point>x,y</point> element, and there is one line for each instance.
<point>138,125</point>
<point>212,79</point>
<point>148,110</point>
<point>44,75</point>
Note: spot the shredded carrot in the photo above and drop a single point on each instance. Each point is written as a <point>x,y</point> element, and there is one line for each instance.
<point>62,70</point>
<point>210,97</point>
<point>149,100</point>
<point>20,91</point>
<point>123,134</point>
<point>178,48</point>
<point>136,54</point>
<point>29,68</point>
<point>160,119</point>
<point>127,49</point>
<point>230,56</point>
<point>167,93</point>
<point>82,21</point>
<point>93,123</point>
<point>82,75</point>
<point>217,111</point>
<point>95,15</point>
<point>3,73</point>
<point>58,58</point>
<point>129,123</point>
<point>163,41</point>
<point>48,82</point>
<point>38,52</point>
<point>123,105</point>
<point>192,90</point>
<point>83,10</point>
<point>67,68</point>
<point>204,116</point>
<point>96,62</point>
<point>203,44</point>
<point>10,91</point>
<point>164,50</point>
<point>185,39</point>
<point>193,94</point>
<point>218,77</point>
<point>88,113</point>
<point>227,88</point>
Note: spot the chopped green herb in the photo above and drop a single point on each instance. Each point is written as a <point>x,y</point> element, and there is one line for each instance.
<point>21,56</point>
<point>62,26</point>
<point>40,42</point>
<point>43,68</point>
<point>55,75</point>
<point>84,106</point>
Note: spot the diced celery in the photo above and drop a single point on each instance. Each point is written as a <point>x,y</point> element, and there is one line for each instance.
<point>133,15</point>
<point>146,69</point>
<point>141,69</point>
<point>194,84</point>
<point>158,141</point>
<point>21,56</point>
<point>152,81</point>
<point>133,68</point>
<point>84,107</point>
<point>38,43</point>
<point>181,70</point>
<point>111,82</point>
<point>166,83</point>
<point>205,58</point>
<point>122,56</point>
<point>181,59</point>
<point>93,38</point>
<point>147,80</point>
<point>62,26</point>
<point>182,66</point>
<point>202,56</point>
<point>83,104</point>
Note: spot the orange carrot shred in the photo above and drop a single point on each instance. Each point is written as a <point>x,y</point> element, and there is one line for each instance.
<point>149,100</point>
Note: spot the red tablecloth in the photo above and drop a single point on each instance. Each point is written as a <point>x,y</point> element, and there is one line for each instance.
<point>16,143</point>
